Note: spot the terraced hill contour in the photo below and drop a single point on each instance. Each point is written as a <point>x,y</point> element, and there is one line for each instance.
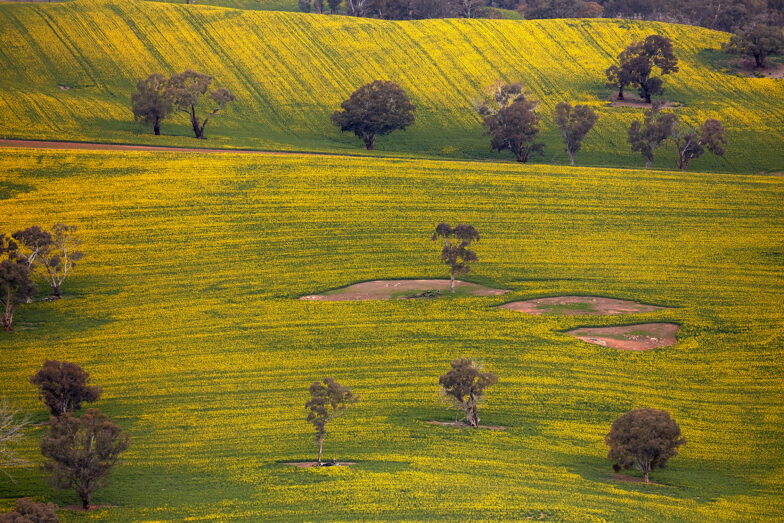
<point>69,69</point>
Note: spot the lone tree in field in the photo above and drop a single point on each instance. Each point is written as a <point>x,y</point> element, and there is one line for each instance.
<point>375,109</point>
<point>691,143</point>
<point>574,123</point>
<point>644,438</point>
<point>646,136</point>
<point>62,386</point>
<point>81,452</point>
<point>638,60</point>
<point>456,253</point>
<point>188,88</point>
<point>510,120</point>
<point>28,511</point>
<point>152,102</point>
<point>328,400</point>
<point>12,427</point>
<point>55,252</point>
<point>16,287</point>
<point>465,384</point>
<point>757,41</point>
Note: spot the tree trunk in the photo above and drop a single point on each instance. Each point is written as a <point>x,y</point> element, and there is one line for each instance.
<point>85,500</point>
<point>647,163</point>
<point>320,444</point>
<point>370,142</point>
<point>571,157</point>
<point>646,476</point>
<point>620,93</point>
<point>197,130</point>
<point>470,413</point>
<point>452,280</point>
<point>759,60</point>
<point>157,128</point>
<point>8,320</point>
<point>56,291</point>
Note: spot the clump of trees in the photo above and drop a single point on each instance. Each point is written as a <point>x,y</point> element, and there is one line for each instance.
<point>636,66</point>
<point>81,452</point>
<point>156,98</point>
<point>456,253</point>
<point>574,123</point>
<point>328,400</point>
<point>465,385</point>
<point>658,126</point>
<point>28,511</point>
<point>63,387</point>
<point>375,109</point>
<point>758,41</point>
<point>510,119</point>
<point>644,438</point>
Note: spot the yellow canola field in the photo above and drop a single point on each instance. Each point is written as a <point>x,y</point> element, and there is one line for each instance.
<point>185,312</point>
<point>69,69</point>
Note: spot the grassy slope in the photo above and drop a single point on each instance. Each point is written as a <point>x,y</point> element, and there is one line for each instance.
<point>291,70</point>
<point>185,312</point>
<point>259,5</point>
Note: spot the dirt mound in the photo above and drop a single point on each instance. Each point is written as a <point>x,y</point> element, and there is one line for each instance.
<point>632,100</point>
<point>577,305</point>
<point>403,289</point>
<point>644,336</point>
<point>464,425</point>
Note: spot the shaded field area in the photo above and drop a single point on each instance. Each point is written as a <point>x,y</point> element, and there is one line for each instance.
<point>186,312</point>
<point>69,70</point>
<point>403,289</point>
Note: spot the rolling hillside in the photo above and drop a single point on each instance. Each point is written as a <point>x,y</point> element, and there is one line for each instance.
<point>68,70</point>
<point>185,311</point>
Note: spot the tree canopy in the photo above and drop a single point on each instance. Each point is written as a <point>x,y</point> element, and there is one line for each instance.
<point>465,384</point>
<point>649,134</point>
<point>152,101</point>
<point>510,120</point>
<point>80,452</point>
<point>16,287</point>
<point>758,41</point>
<point>188,88</point>
<point>328,400</point>
<point>62,386</point>
<point>375,109</point>
<point>691,143</point>
<point>455,252</point>
<point>53,253</point>
<point>636,66</point>
<point>574,123</point>
<point>645,438</point>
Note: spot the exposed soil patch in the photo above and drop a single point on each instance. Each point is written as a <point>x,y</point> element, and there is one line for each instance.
<point>314,464</point>
<point>464,425</point>
<point>631,479</point>
<point>644,336</point>
<point>772,69</point>
<point>578,305</point>
<point>632,100</point>
<point>403,289</point>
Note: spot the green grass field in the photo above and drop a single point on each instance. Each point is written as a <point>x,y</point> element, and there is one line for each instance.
<point>69,70</point>
<point>185,311</point>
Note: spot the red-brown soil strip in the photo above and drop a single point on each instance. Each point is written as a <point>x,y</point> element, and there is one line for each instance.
<point>402,289</point>
<point>644,336</point>
<point>578,305</point>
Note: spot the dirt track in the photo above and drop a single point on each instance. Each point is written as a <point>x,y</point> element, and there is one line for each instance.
<point>39,144</point>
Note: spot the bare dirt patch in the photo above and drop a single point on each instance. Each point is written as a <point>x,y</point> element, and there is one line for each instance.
<point>403,289</point>
<point>632,100</point>
<point>578,305</point>
<point>314,464</point>
<point>644,336</point>
<point>79,508</point>
<point>772,69</point>
<point>464,425</point>
<point>631,479</point>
